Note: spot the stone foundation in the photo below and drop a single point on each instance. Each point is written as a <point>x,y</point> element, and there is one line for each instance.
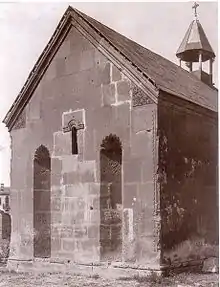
<point>111,270</point>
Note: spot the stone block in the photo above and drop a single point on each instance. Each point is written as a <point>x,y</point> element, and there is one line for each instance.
<point>77,40</point>
<point>69,205</point>
<point>80,231</point>
<point>147,169</point>
<point>66,256</point>
<point>146,194</point>
<point>87,60</point>
<point>116,74</point>
<point>69,163</point>
<point>132,170</point>
<point>77,190</point>
<point>55,231</point>
<point>145,250</point>
<point>123,115</point>
<point>94,189</point>
<point>80,203</point>
<point>64,50</point>
<point>27,197</point>
<point>128,227</point>
<point>71,178</point>
<point>56,191</point>
<point>56,218</point>
<point>130,195</point>
<point>67,232</point>
<point>100,59</point>
<point>79,216</point>
<point>94,216</point>
<point>93,231</point>
<point>89,149</point>
<point>145,221</point>
<point>68,245</point>
<point>105,75</point>
<point>141,144</point>
<point>62,144</point>
<point>142,119</point>
<point>50,72</point>
<point>123,91</point>
<point>55,204</point>
<point>86,170</point>
<point>211,265</point>
<point>108,94</point>
<point>96,202</point>
<point>60,67</point>
<point>99,119</point>
<point>34,107</point>
<point>89,244</point>
<point>55,244</point>
<point>73,63</point>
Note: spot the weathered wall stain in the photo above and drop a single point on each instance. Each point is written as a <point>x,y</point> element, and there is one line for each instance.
<point>188,181</point>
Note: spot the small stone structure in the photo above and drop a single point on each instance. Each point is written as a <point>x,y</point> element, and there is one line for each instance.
<point>5,235</point>
<point>111,166</point>
<point>4,198</point>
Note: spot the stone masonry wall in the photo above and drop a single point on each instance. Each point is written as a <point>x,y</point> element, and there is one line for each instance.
<point>81,82</point>
<point>188,181</point>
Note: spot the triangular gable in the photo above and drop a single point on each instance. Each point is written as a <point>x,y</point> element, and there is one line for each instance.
<point>72,18</point>
<point>146,69</point>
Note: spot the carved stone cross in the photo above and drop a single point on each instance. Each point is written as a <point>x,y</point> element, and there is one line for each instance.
<point>195,6</point>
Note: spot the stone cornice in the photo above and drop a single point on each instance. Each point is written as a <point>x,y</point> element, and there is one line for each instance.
<point>73,18</point>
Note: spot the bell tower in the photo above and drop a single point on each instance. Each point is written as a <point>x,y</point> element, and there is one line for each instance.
<point>195,48</point>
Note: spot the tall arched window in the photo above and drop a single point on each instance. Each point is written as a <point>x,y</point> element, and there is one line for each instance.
<point>42,198</point>
<point>111,198</point>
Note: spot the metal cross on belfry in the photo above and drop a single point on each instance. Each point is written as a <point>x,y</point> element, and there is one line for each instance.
<point>195,6</point>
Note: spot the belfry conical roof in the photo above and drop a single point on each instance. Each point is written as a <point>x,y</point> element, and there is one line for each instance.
<point>195,40</point>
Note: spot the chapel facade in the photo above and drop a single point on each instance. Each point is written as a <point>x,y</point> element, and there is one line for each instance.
<point>114,154</point>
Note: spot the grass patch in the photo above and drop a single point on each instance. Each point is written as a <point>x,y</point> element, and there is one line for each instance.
<point>153,278</point>
<point>94,276</point>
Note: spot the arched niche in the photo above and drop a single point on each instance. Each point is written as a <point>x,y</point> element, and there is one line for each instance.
<point>111,198</point>
<point>42,203</point>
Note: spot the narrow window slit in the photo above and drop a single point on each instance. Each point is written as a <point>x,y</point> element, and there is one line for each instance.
<point>74,141</point>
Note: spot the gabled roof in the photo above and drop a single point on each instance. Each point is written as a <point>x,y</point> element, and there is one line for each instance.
<point>164,74</point>
<point>194,41</point>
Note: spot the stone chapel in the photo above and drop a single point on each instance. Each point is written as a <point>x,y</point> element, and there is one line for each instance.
<point>114,154</point>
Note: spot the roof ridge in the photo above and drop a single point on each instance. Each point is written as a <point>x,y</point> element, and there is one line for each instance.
<point>160,71</point>
<point>112,44</point>
<point>136,43</point>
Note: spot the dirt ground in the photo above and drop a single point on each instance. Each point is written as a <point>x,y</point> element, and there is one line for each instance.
<point>12,279</point>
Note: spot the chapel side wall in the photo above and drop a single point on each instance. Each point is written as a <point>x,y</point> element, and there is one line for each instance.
<point>83,83</point>
<point>188,148</point>
<point>140,183</point>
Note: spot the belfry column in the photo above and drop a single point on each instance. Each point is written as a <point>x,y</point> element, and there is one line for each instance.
<point>200,61</point>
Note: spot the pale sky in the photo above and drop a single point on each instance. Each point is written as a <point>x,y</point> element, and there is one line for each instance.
<point>25,29</point>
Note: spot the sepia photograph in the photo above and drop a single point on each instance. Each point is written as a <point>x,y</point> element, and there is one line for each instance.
<point>109,144</point>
